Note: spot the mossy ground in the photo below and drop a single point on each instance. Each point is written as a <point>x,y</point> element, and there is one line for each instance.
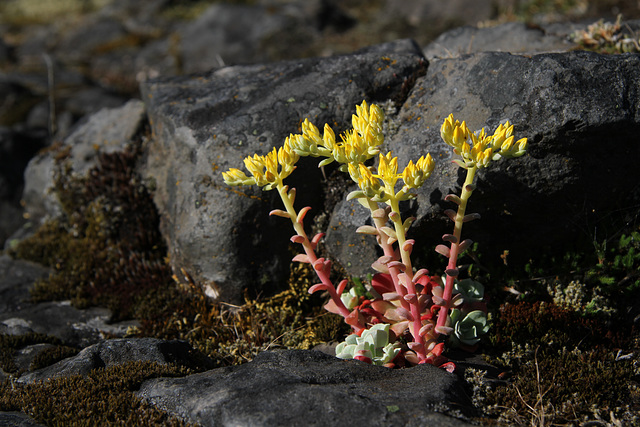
<point>103,397</point>
<point>564,337</point>
<point>107,250</point>
<point>564,330</point>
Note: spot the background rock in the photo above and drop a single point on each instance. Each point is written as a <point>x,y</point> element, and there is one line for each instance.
<point>228,34</point>
<point>73,326</point>
<point>17,419</point>
<point>579,111</point>
<point>205,124</point>
<point>17,277</point>
<point>513,37</point>
<point>115,352</point>
<point>106,131</point>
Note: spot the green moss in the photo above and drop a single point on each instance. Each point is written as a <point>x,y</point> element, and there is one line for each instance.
<point>107,249</point>
<point>618,269</point>
<point>49,356</point>
<point>103,397</point>
<point>564,340</point>
<point>556,358</point>
<point>567,387</point>
<point>9,344</point>
<point>235,334</point>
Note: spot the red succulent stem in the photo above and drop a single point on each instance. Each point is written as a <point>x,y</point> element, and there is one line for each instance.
<point>452,266</point>
<point>388,251</point>
<point>414,305</point>
<point>321,266</point>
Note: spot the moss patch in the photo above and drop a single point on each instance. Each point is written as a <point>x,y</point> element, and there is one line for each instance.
<point>573,356</point>
<point>10,344</point>
<point>107,250</point>
<point>235,334</point>
<point>103,397</point>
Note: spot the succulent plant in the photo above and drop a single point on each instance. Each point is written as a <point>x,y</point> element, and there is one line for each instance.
<point>469,289</point>
<point>468,328</point>
<point>372,346</point>
<point>403,304</point>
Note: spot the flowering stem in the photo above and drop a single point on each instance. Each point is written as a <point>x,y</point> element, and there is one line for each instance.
<point>323,274</point>
<point>405,254</point>
<point>387,248</point>
<point>452,267</point>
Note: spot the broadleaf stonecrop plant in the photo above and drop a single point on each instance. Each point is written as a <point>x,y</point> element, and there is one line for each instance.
<point>404,316</point>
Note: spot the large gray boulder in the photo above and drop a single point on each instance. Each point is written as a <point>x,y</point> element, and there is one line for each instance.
<point>204,124</point>
<point>306,387</point>
<point>576,183</point>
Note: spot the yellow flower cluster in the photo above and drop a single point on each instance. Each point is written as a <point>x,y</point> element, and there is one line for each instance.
<point>266,171</point>
<point>414,175</point>
<point>357,145</point>
<point>478,149</point>
<point>380,186</point>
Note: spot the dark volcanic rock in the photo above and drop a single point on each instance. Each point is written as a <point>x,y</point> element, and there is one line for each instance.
<point>579,111</point>
<point>207,123</point>
<point>17,419</point>
<point>311,388</point>
<point>514,37</point>
<point>106,131</point>
<point>115,352</point>
<point>16,278</point>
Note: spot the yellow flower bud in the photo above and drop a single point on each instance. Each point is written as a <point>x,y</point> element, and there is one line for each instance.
<point>522,144</point>
<point>388,169</point>
<point>415,175</point>
<point>329,138</point>
<point>446,131</point>
<point>311,132</point>
<point>479,149</point>
<point>367,182</point>
<point>237,177</point>
<point>459,137</point>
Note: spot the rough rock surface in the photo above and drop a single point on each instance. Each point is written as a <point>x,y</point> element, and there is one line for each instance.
<point>107,131</point>
<point>204,124</point>
<point>17,278</point>
<point>579,111</point>
<point>114,352</point>
<point>17,419</point>
<point>19,316</point>
<point>311,388</point>
<point>514,37</point>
